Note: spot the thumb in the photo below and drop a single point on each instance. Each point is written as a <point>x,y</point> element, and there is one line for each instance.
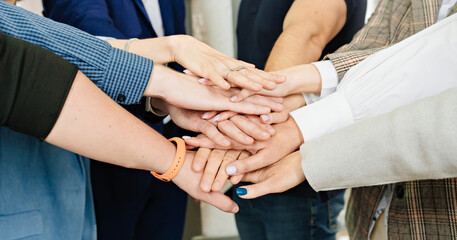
<point>255,190</point>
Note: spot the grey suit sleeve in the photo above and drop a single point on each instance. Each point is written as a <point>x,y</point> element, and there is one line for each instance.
<point>414,142</point>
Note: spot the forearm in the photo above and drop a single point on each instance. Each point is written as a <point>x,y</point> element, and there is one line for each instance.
<point>305,33</point>
<point>158,49</point>
<point>93,125</point>
<point>414,142</point>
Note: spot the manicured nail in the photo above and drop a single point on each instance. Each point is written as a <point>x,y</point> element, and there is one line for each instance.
<point>198,166</point>
<point>235,209</point>
<point>265,118</point>
<point>217,117</point>
<point>186,137</point>
<point>234,98</point>
<point>186,71</point>
<point>241,191</point>
<point>231,170</point>
<point>205,115</point>
<point>216,185</point>
<point>202,80</point>
<point>206,187</point>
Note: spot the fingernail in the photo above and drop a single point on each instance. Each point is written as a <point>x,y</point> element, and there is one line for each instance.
<point>186,137</point>
<point>265,118</point>
<point>235,209</point>
<point>186,71</point>
<point>265,135</point>
<point>217,117</point>
<point>234,98</point>
<point>202,80</point>
<point>231,170</point>
<point>198,166</point>
<point>206,187</point>
<point>205,115</point>
<point>216,185</point>
<point>241,191</point>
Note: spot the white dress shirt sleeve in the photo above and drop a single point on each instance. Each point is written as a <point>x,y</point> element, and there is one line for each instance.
<point>417,67</point>
<point>329,79</point>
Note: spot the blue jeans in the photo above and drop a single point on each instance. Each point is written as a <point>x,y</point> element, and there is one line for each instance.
<point>285,217</point>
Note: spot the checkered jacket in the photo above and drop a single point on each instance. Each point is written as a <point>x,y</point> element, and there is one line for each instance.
<point>419,209</point>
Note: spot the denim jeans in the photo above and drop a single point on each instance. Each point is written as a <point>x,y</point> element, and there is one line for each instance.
<point>284,217</point>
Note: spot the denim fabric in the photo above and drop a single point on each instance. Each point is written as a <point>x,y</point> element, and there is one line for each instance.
<point>286,217</point>
<point>44,191</point>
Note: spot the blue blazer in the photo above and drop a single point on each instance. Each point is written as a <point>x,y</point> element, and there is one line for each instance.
<point>108,17</point>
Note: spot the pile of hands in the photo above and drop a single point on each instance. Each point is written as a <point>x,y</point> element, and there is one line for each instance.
<point>242,114</point>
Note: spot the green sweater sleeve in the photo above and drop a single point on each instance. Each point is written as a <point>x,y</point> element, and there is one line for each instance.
<point>34,84</point>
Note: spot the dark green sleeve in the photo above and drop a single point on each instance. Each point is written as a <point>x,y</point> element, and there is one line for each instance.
<point>34,84</point>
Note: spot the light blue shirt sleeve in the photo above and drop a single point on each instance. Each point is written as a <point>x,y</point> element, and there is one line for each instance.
<point>121,75</point>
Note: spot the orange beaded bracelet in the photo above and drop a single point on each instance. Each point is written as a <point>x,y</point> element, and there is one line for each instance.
<point>177,162</point>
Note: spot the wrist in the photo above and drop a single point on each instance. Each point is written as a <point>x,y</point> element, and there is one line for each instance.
<point>157,85</point>
<point>310,80</point>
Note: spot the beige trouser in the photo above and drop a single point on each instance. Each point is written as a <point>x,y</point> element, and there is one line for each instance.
<point>379,230</point>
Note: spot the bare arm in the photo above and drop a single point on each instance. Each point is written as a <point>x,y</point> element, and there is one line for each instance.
<point>308,27</point>
<point>93,125</point>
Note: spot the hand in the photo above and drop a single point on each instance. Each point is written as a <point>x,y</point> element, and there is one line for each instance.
<point>214,162</point>
<point>184,91</point>
<point>279,177</point>
<point>210,64</point>
<point>291,103</point>
<point>189,181</point>
<point>300,79</point>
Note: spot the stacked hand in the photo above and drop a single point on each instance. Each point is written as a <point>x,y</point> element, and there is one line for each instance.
<point>240,111</point>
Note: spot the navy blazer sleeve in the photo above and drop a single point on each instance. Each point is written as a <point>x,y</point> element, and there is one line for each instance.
<point>91,16</point>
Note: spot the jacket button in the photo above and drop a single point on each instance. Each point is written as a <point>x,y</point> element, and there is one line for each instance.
<point>121,97</point>
<point>399,191</point>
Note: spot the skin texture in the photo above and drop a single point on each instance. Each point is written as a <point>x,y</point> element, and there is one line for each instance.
<point>93,125</point>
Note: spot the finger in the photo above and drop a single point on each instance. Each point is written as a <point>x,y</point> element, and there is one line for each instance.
<point>209,115</point>
<point>212,132</point>
<point>250,127</point>
<point>262,159</point>
<point>256,190</point>
<point>248,108</point>
<point>244,93</point>
<point>200,142</point>
<point>264,126</point>
<point>271,76</point>
<point>224,116</point>
<point>218,80</point>
<point>276,117</point>
<point>232,131</point>
<point>241,80</point>
<point>266,102</point>
<point>221,176</point>
<point>211,169</point>
<point>220,201</point>
<point>236,179</point>
<point>200,159</point>
<point>189,72</point>
<point>249,65</point>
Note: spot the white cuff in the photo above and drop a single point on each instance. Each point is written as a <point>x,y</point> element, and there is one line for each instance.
<point>329,77</point>
<point>311,97</point>
<point>323,116</point>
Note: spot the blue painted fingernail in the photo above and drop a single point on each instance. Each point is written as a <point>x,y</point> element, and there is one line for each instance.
<point>241,191</point>
<point>231,170</point>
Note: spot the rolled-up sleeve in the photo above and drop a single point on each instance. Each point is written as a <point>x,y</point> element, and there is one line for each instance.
<point>34,85</point>
<point>121,75</point>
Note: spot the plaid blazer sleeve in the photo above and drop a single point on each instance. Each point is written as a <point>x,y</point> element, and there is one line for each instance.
<point>121,75</point>
<point>373,37</point>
